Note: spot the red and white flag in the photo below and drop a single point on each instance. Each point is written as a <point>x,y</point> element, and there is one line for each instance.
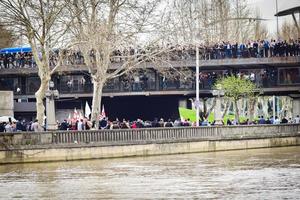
<point>75,115</point>
<point>102,114</point>
<point>80,116</point>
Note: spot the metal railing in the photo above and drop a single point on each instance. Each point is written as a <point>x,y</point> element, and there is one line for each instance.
<point>148,135</point>
<point>171,134</point>
<point>129,135</point>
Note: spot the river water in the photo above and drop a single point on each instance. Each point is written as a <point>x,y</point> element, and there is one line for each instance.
<point>248,174</point>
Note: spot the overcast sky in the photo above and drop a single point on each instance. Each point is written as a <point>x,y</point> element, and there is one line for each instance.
<point>268,9</point>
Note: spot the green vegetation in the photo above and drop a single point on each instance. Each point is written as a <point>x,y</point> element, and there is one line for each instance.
<point>191,114</point>
<point>235,88</point>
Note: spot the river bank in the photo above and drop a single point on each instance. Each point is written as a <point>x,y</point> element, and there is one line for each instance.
<point>66,146</point>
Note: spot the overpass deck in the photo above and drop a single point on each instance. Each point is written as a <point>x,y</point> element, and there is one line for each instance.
<point>205,64</point>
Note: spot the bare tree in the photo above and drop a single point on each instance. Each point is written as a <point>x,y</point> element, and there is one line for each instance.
<point>108,31</point>
<point>39,21</point>
<point>288,31</point>
<point>240,24</point>
<point>208,21</point>
<point>179,21</point>
<point>7,38</point>
<point>260,28</point>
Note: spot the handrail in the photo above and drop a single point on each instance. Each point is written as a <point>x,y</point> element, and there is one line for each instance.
<point>120,136</point>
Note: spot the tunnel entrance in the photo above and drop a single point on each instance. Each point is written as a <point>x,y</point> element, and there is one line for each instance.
<point>143,107</point>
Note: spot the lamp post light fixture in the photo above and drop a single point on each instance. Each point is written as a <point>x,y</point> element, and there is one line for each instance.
<point>197,102</point>
<point>218,115</point>
<point>51,95</point>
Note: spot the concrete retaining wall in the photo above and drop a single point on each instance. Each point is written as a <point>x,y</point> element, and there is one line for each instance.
<point>59,146</point>
<point>80,152</point>
<point>140,136</point>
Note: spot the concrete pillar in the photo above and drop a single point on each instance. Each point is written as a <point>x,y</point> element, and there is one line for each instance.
<point>50,111</point>
<point>218,113</point>
<point>296,107</point>
<point>6,103</point>
<point>51,95</point>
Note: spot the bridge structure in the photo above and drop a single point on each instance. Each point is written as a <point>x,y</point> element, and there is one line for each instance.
<point>147,92</point>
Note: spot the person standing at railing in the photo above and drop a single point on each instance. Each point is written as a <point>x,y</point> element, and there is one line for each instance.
<point>2,127</point>
<point>103,123</point>
<point>8,127</point>
<point>297,119</point>
<point>284,121</point>
<point>35,126</point>
<point>228,50</point>
<point>266,48</point>
<point>261,120</point>
<point>277,120</point>
<point>169,123</point>
<point>64,125</point>
<point>80,125</point>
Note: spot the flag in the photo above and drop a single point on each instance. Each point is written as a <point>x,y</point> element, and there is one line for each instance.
<point>69,117</point>
<point>87,110</point>
<point>80,116</point>
<point>75,115</point>
<point>103,115</point>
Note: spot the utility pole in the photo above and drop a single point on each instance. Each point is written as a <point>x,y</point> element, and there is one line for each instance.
<point>197,103</point>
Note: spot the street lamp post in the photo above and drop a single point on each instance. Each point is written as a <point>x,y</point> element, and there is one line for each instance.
<point>51,95</point>
<point>197,102</point>
<point>277,23</point>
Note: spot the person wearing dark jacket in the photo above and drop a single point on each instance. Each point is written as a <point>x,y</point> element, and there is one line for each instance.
<point>155,123</point>
<point>64,125</point>
<point>2,127</point>
<point>169,123</point>
<point>284,121</point>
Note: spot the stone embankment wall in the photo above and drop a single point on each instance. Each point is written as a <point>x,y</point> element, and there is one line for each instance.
<point>63,146</point>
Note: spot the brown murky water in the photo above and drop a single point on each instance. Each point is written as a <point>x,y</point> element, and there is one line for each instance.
<point>250,174</point>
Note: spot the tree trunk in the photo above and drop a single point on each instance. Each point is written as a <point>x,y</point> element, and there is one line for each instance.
<point>96,104</point>
<point>227,105</point>
<point>208,111</point>
<point>40,95</point>
<point>252,103</point>
<point>265,106</point>
<point>237,116</point>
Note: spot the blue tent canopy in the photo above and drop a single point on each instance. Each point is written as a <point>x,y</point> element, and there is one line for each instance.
<point>16,50</point>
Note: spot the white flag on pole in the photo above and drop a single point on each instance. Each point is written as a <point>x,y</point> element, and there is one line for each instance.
<point>103,112</point>
<point>87,110</point>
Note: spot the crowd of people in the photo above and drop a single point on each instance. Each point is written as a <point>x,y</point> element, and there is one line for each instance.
<point>17,60</point>
<point>254,49</point>
<point>20,126</point>
<point>220,50</point>
<point>105,123</point>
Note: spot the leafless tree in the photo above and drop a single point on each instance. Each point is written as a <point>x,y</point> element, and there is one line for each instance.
<point>108,31</point>
<point>288,31</point>
<point>260,28</point>
<point>207,21</point>
<point>7,37</point>
<point>41,23</point>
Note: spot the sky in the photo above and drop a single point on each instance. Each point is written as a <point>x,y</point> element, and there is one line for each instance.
<point>267,10</point>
